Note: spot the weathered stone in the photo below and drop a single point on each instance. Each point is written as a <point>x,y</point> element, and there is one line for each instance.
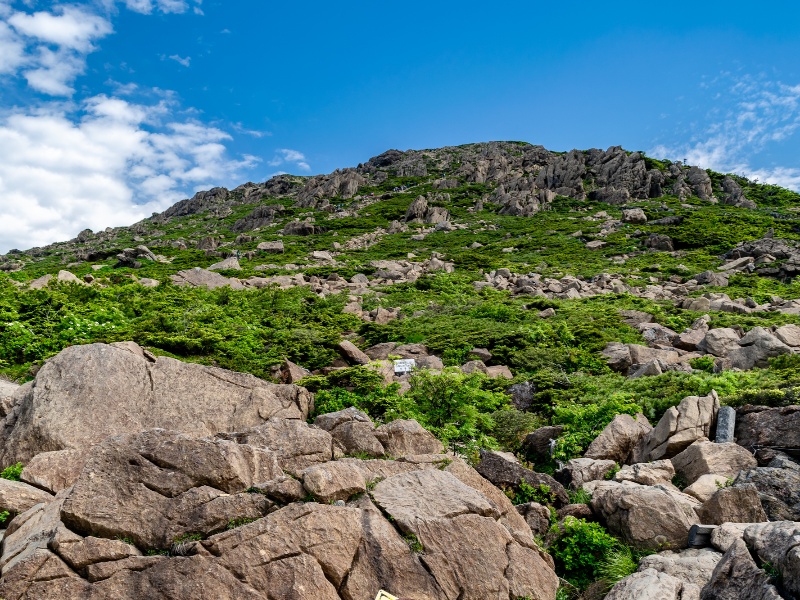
<point>778,490</point>
<point>706,486</point>
<point>381,351</point>
<point>296,444</point>
<point>725,535</point>
<point>333,481</point>
<point>536,516</point>
<point>148,392</point>
<point>704,457</point>
<point>352,354</point>
<point>7,391</point>
<point>271,247</point>
<point>757,346</point>
<point>789,335</point>
<point>282,489</point>
<point>578,471</point>
<point>645,517</point>
<point>720,342</point>
<point>79,552</point>
<point>198,277</point>
<point>158,485</point>
<point>738,504</point>
<point>231,263</point>
<point>693,566</point>
<point>726,423</point>
<point>503,470</point>
<point>648,584</point>
<point>17,497</point>
<point>540,441</point>
<point>618,356</point>
<point>474,366</point>
<point>54,471</point>
<point>405,436</point>
<point>634,215</point>
<point>692,419</point>
<point>499,371</point>
<point>658,472</point>
<point>619,438</point>
<point>736,577</point>
<point>778,544</point>
<point>759,426</point>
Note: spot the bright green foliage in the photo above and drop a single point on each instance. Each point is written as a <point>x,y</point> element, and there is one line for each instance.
<point>4,517</point>
<point>455,407</point>
<point>12,472</point>
<point>413,543</point>
<point>526,492</point>
<point>580,549</point>
<point>579,497</point>
<point>583,422</point>
<point>511,426</point>
<point>617,564</point>
<point>234,523</point>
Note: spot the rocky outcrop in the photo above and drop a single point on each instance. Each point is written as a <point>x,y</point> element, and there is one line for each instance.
<point>431,529</point>
<point>704,458</point>
<point>680,426</point>
<point>504,470</point>
<point>69,405</point>
<point>763,427</point>
<point>736,577</point>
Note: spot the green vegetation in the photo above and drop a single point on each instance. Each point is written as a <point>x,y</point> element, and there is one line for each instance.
<point>4,516</point>
<point>413,543</point>
<point>580,549</point>
<point>12,472</point>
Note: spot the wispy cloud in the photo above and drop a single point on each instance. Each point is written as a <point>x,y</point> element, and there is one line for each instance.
<point>181,60</point>
<point>288,156</point>
<point>759,114</point>
<point>256,133</point>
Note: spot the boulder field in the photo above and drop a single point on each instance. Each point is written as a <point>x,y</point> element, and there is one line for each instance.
<point>150,478</point>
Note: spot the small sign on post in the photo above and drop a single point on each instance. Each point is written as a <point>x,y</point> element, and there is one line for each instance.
<point>385,596</point>
<point>405,365</point>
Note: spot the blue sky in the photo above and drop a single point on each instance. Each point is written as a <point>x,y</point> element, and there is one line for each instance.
<point>110,110</point>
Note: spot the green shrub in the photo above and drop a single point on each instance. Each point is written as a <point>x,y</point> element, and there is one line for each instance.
<point>580,549</point>
<point>617,564</point>
<point>526,492</point>
<point>511,426</point>
<point>579,497</point>
<point>4,517</point>
<point>13,472</point>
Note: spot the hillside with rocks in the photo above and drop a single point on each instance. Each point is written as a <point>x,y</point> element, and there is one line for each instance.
<point>484,371</point>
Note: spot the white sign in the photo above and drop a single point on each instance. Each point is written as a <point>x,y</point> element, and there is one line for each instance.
<point>385,596</point>
<point>405,365</point>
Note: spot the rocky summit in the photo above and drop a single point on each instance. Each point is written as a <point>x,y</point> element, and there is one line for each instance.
<point>489,371</point>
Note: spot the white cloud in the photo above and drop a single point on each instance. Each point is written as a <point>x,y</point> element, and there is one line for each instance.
<point>146,7</point>
<point>761,113</point>
<point>287,155</point>
<point>71,28</point>
<point>180,60</point>
<point>112,163</point>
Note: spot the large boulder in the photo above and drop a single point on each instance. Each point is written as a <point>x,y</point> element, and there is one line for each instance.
<point>619,438</point>
<point>738,504</point>
<point>88,393</point>
<point>778,544</point>
<point>16,497</point>
<point>720,342</point>
<point>648,584</point>
<point>692,566</point>
<point>402,437</point>
<point>704,458</point>
<point>157,486</point>
<point>737,577</point>
<point>692,419</point>
<point>760,426</point>
<point>646,517</point>
<point>505,471</point>
<point>658,472</point>
<point>352,430</point>
<point>778,489</point>
<point>757,346</point>
<point>7,391</point>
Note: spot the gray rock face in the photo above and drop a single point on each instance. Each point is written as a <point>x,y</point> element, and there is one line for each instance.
<point>198,277</point>
<point>72,390</point>
<point>759,426</point>
<point>756,348</point>
<point>403,437</point>
<point>7,391</point>
<point>658,472</point>
<point>778,490</point>
<point>648,584</point>
<point>693,567</point>
<point>16,497</point>
<point>538,442</point>
<point>726,423</point>
<point>692,419</point>
<point>779,545</point>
